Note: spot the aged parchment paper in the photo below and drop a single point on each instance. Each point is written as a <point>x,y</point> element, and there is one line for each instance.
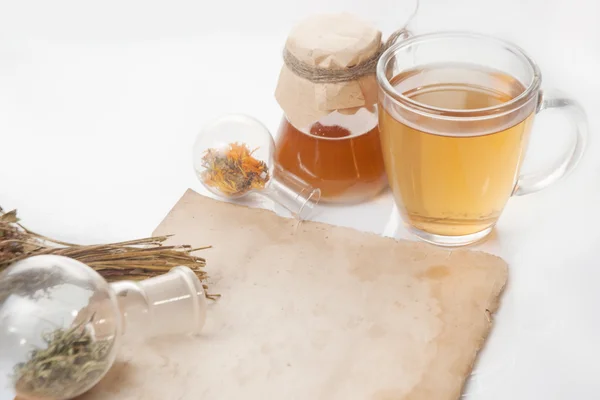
<point>316,312</point>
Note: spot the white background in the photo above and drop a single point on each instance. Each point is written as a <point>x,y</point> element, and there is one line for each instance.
<point>100,102</point>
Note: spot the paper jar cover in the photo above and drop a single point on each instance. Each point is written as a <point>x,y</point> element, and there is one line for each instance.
<point>334,41</point>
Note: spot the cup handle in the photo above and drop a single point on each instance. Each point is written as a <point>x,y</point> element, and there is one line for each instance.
<point>534,182</point>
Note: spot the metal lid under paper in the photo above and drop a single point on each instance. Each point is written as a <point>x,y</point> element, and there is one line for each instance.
<point>332,41</point>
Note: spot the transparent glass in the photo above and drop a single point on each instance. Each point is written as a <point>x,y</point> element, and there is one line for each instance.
<point>234,156</point>
<point>61,322</point>
<point>456,111</point>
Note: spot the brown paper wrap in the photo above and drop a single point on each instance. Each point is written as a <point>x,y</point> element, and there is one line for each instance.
<point>333,41</point>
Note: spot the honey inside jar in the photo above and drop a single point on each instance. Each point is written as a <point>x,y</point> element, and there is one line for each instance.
<point>340,154</point>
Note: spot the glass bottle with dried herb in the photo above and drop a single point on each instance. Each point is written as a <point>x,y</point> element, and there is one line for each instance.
<point>61,322</point>
<point>234,156</point>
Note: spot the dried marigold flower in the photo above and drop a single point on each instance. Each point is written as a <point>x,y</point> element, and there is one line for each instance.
<point>233,170</point>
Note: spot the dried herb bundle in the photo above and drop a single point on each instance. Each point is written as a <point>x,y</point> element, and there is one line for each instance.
<point>234,171</point>
<point>71,362</point>
<point>132,260</point>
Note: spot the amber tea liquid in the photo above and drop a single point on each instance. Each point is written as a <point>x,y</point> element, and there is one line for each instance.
<point>445,181</point>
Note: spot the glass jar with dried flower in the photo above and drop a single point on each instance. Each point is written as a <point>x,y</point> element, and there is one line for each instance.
<point>233,157</point>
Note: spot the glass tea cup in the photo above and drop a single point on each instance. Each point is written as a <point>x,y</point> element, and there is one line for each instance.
<point>455,115</point>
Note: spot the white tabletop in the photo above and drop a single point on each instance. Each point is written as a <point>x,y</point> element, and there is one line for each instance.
<point>100,103</point>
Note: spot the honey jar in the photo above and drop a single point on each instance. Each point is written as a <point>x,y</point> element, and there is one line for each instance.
<point>327,89</point>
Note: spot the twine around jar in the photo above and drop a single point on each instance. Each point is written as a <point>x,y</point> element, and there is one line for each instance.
<point>327,75</point>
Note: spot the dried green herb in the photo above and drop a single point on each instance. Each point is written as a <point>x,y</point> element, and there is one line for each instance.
<point>72,361</point>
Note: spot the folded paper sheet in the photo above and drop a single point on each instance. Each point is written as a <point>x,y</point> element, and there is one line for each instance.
<point>315,312</point>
